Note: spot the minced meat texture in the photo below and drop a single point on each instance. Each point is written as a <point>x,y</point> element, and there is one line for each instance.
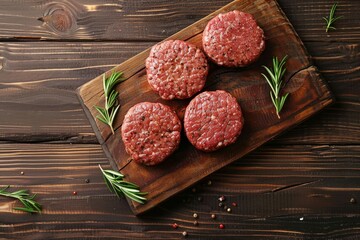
<point>233,39</point>
<point>176,69</point>
<point>151,132</point>
<point>213,120</point>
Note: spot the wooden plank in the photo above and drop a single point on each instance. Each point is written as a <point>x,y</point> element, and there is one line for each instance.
<point>273,187</point>
<point>308,95</point>
<point>307,18</point>
<point>280,228</point>
<point>331,59</point>
<point>100,214</point>
<point>106,20</point>
<point>156,20</point>
<point>37,88</point>
<point>38,82</point>
<point>335,55</point>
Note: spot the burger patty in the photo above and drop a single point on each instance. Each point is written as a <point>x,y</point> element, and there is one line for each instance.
<point>176,69</point>
<point>150,132</point>
<point>213,120</point>
<point>233,39</point>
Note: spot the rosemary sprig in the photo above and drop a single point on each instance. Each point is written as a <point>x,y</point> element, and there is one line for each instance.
<point>275,83</point>
<point>108,113</point>
<point>331,19</point>
<point>30,205</point>
<point>116,184</point>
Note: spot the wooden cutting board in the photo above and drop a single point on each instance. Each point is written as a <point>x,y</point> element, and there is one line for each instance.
<point>308,94</point>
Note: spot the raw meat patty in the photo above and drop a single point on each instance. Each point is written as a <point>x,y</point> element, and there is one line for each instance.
<point>213,120</point>
<point>176,69</point>
<point>151,132</point>
<point>233,39</point>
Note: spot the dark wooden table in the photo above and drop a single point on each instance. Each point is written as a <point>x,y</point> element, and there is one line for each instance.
<point>298,186</point>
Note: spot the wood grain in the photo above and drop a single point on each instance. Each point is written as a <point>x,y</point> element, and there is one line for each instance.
<point>309,94</point>
<point>38,87</point>
<point>24,61</point>
<point>273,186</point>
<point>155,20</point>
<point>46,74</point>
<point>106,20</point>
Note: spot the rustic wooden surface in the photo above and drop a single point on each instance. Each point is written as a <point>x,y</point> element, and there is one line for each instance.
<point>296,187</point>
<point>308,95</point>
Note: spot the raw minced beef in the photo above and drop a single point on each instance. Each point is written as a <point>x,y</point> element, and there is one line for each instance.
<point>150,132</point>
<point>176,69</point>
<point>233,39</point>
<point>213,120</point>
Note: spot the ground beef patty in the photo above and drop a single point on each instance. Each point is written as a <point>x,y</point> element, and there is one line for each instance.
<point>213,120</point>
<point>151,132</point>
<point>176,69</point>
<point>233,39</point>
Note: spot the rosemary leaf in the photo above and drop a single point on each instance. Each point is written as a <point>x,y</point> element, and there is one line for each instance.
<point>112,100</point>
<point>30,205</point>
<point>114,173</point>
<point>102,119</point>
<point>276,73</point>
<point>330,20</point>
<point>113,113</point>
<point>116,184</point>
<point>108,112</point>
<point>103,113</point>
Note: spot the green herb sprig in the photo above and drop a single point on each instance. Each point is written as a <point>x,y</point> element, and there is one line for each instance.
<point>108,113</point>
<point>30,205</point>
<point>331,19</point>
<point>274,80</point>
<point>116,184</point>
